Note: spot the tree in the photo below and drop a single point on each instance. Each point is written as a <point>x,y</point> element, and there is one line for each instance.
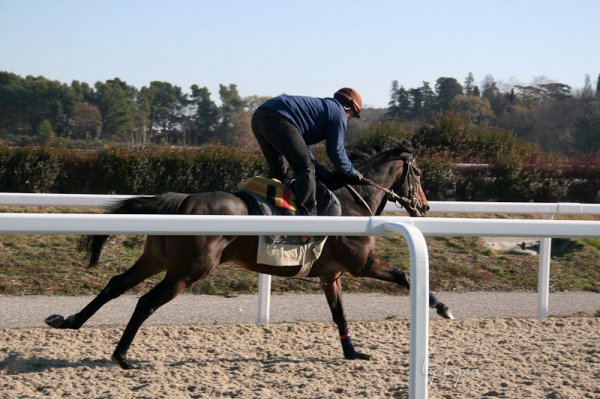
<point>204,118</point>
<point>530,95</point>
<point>416,103</point>
<point>162,104</point>
<point>400,103</point>
<point>116,101</point>
<point>403,99</point>
<point>475,109</point>
<point>45,134</point>
<point>489,87</point>
<point>82,92</point>
<point>511,96</point>
<point>231,104</point>
<point>470,89</point>
<point>544,92</point>
<point>26,103</point>
<point>587,129</point>
<point>556,91</point>
<point>598,87</point>
<point>253,102</point>
<point>85,121</point>
<point>519,119</point>
<point>12,117</point>
<point>393,111</point>
<point>429,101</point>
<point>588,91</point>
<point>446,89</point>
<point>490,90</point>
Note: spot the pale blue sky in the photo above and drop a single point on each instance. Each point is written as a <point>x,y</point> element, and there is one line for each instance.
<point>313,47</point>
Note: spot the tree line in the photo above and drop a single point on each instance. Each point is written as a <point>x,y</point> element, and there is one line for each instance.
<point>547,113</point>
<point>35,110</point>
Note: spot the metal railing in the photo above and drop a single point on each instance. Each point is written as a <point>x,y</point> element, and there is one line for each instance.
<point>548,210</point>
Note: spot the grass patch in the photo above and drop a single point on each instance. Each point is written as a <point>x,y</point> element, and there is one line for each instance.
<point>50,265</point>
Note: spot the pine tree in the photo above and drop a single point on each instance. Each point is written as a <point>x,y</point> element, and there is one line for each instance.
<point>469,88</point>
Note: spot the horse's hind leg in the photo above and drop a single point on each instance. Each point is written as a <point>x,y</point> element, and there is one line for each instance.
<point>165,291</point>
<point>143,268</point>
<point>381,270</point>
<point>189,259</point>
<point>333,291</point>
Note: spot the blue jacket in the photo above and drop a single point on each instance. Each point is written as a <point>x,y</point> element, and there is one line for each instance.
<point>318,119</point>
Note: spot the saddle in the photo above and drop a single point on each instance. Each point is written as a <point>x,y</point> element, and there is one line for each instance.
<point>270,197</point>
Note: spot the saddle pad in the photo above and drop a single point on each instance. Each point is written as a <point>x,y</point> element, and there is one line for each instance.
<point>285,250</point>
<point>271,190</point>
<point>289,251</point>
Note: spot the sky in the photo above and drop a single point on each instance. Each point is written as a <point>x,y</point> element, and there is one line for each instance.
<point>271,47</point>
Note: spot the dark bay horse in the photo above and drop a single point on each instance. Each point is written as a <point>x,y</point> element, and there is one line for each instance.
<point>392,174</point>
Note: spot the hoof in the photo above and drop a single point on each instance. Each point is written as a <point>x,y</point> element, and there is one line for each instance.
<point>121,362</point>
<point>54,320</point>
<point>358,356</point>
<point>444,311</point>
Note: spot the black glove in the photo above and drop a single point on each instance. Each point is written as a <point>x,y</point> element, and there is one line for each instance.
<point>354,178</point>
<point>328,178</point>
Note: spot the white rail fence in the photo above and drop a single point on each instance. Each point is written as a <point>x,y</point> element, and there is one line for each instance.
<point>411,228</point>
<point>548,210</point>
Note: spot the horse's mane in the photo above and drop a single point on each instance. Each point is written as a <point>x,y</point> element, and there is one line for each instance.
<point>367,158</point>
<point>368,153</point>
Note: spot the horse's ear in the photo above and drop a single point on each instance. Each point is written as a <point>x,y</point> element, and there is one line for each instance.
<point>414,142</point>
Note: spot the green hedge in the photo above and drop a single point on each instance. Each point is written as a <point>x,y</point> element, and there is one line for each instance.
<point>123,171</point>
<point>508,182</point>
<point>157,170</point>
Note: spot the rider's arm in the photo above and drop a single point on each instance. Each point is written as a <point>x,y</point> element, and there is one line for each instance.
<point>335,145</point>
<point>320,169</point>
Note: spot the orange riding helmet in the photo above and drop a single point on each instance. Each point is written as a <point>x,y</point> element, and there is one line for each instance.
<point>349,98</point>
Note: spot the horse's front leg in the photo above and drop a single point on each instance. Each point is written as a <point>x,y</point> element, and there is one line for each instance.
<point>333,291</point>
<point>381,270</point>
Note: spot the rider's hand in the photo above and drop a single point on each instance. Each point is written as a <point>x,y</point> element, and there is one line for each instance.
<point>355,178</point>
<point>328,178</point>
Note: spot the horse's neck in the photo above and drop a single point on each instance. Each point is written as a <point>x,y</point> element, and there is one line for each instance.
<point>386,175</point>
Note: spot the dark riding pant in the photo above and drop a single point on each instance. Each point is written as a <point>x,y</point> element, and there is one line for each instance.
<point>281,141</point>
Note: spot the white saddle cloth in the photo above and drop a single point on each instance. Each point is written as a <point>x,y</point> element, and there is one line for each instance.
<point>289,251</point>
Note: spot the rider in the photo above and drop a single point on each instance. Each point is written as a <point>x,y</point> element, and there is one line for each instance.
<point>285,128</point>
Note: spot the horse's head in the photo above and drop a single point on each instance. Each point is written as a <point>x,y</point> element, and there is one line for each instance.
<point>400,179</point>
<point>408,189</point>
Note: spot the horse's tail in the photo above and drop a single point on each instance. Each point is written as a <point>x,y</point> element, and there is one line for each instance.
<point>168,203</point>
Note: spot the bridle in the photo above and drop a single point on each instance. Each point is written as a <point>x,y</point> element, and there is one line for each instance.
<point>409,176</point>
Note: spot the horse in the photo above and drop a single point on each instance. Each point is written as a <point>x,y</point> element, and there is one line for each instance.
<point>390,174</point>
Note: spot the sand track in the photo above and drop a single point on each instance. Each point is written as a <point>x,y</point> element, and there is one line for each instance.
<point>210,347</point>
<point>469,358</point>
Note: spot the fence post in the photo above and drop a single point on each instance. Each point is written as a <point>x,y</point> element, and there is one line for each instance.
<point>264,298</point>
<point>543,310</point>
<point>419,307</point>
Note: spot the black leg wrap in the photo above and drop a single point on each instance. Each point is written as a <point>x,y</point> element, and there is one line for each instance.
<point>349,352</point>
<point>401,278</point>
<point>433,300</point>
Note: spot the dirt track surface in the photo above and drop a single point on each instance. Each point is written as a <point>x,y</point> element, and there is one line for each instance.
<point>211,347</point>
<point>30,311</point>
